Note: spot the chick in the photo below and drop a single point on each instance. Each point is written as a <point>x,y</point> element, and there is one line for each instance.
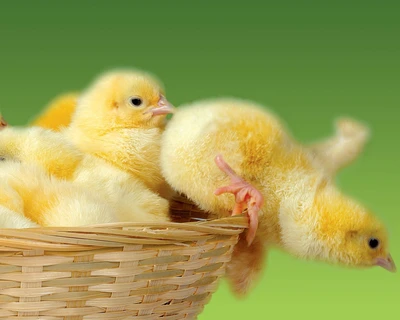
<point>57,115</point>
<point>43,147</point>
<point>120,118</point>
<point>44,200</point>
<point>12,220</point>
<point>134,200</point>
<point>231,146</point>
<point>53,153</point>
<point>342,149</point>
<point>117,125</point>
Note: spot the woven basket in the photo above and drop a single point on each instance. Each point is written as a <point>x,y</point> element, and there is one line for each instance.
<point>116,271</point>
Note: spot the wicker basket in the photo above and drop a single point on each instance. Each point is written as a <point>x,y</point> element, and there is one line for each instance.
<point>115,271</point>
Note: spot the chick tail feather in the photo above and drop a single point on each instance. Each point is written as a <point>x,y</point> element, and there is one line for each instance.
<point>245,267</point>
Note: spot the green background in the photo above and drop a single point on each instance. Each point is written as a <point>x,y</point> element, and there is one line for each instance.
<point>309,61</point>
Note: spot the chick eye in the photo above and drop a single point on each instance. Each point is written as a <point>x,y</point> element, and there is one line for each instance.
<point>137,102</point>
<point>373,243</point>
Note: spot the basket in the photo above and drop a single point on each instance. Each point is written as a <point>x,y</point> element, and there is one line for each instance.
<point>115,271</point>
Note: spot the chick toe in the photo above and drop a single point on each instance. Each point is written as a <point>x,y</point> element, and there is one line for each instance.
<point>246,196</point>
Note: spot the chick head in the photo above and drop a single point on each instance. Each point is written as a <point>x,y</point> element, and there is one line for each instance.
<point>352,235</point>
<point>124,99</point>
<point>328,226</point>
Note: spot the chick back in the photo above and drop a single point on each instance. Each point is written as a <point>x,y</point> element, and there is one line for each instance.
<point>252,141</point>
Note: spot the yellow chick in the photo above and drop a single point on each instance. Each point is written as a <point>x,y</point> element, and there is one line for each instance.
<point>117,124</point>
<point>57,115</point>
<point>12,220</point>
<point>28,190</point>
<point>120,118</point>
<point>223,146</point>
<point>43,147</point>
<point>52,152</point>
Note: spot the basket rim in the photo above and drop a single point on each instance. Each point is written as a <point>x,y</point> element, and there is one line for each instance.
<point>119,234</point>
<point>237,221</point>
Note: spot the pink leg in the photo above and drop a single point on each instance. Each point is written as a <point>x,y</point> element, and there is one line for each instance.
<point>246,196</point>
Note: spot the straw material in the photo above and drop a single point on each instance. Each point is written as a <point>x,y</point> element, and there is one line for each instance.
<point>115,271</point>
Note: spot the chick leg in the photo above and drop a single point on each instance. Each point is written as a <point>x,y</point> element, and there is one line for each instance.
<point>246,265</point>
<point>341,150</point>
<point>246,196</point>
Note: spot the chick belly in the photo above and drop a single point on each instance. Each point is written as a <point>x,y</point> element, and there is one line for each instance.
<point>269,230</point>
<point>136,152</point>
<point>10,199</point>
<point>192,141</point>
<point>77,207</point>
<point>50,201</point>
<point>147,170</point>
<point>150,175</point>
<point>12,219</point>
<point>53,202</point>
<point>140,205</point>
<point>191,170</point>
<point>37,204</point>
<point>23,190</point>
<point>132,200</point>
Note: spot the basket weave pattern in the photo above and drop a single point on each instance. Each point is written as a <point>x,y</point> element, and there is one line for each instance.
<point>114,271</point>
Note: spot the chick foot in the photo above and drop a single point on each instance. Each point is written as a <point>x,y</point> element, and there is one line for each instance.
<point>246,196</point>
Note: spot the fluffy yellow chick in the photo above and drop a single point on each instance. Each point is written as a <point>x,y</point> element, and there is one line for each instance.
<point>43,147</point>
<point>13,220</point>
<point>117,124</point>
<point>233,146</point>
<point>52,152</point>
<point>28,190</point>
<point>120,118</point>
<point>57,115</point>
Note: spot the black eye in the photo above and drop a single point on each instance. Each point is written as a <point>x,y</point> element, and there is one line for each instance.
<point>136,102</point>
<point>373,243</point>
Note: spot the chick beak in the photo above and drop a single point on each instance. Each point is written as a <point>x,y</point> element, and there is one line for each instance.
<point>163,107</point>
<point>386,263</point>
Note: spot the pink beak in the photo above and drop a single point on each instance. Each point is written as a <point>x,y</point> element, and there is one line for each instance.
<point>163,107</point>
<point>386,263</point>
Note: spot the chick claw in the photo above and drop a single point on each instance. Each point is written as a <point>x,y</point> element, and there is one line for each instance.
<point>245,195</point>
